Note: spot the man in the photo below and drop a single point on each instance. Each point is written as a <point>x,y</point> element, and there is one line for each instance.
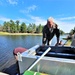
<point>49,30</point>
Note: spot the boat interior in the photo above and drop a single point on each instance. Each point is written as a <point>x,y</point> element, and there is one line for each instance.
<point>57,51</point>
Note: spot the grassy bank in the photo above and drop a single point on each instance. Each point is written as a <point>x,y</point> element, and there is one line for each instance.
<point>5,33</point>
<point>68,43</point>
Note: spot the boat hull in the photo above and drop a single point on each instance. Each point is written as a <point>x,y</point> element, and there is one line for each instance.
<point>49,65</point>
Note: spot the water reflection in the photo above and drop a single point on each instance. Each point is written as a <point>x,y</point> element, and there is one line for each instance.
<point>9,43</point>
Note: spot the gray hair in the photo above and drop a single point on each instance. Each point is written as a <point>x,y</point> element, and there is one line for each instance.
<point>50,19</point>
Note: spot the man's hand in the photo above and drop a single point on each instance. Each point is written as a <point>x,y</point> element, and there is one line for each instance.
<point>56,44</point>
<point>43,44</point>
<point>44,39</point>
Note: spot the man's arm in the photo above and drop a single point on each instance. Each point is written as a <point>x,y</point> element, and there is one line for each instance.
<point>57,32</point>
<point>44,36</point>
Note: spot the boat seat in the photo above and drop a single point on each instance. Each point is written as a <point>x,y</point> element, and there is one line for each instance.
<point>58,55</point>
<point>60,52</point>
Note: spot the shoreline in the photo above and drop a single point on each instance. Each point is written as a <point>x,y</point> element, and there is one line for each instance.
<point>68,43</point>
<point>5,33</point>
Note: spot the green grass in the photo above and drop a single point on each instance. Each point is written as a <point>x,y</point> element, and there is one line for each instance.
<point>68,43</point>
<point>5,33</point>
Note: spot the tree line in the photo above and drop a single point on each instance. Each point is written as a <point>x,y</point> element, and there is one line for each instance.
<point>72,31</point>
<point>17,27</point>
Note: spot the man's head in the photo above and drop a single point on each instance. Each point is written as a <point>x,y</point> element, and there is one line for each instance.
<point>50,22</point>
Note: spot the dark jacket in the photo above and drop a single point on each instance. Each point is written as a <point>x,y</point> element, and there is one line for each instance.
<point>48,33</point>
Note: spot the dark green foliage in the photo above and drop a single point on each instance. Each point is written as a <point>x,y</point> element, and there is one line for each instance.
<point>39,29</point>
<point>62,32</point>
<point>72,31</point>
<point>15,27</point>
<point>30,28</point>
<point>23,28</point>
<point>1,27</point>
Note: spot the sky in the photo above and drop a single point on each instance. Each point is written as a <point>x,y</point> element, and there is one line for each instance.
<point>38,11</point>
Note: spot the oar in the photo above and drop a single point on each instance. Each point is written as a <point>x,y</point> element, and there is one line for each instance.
<point>39,59</point>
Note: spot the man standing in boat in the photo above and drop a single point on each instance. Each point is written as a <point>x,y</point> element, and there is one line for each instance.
<point>49,30</point>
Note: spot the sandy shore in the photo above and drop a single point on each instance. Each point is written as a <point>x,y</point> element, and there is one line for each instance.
<point>68,43</point>
<point>25,33</point>
<point>5,33</point>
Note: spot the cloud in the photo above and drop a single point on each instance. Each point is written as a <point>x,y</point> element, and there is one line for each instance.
<point>29,9</point>
<point>8,19</point>
<point>65,26</point>
<point>68,18</point>
<point>30,19</point>
<point>6,2</point>
<point>22,20</point>
<point>4,19</point>
<point>13,2</point>
<point>38,20</point>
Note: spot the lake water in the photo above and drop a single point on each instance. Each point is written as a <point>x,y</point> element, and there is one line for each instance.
<point>9,43</point>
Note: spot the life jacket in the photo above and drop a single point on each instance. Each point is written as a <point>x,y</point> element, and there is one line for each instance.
<point>19,49</point>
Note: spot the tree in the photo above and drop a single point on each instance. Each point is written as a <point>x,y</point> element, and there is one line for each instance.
<point>34,28</point>
<point>4,26</point>
<point>1,28</point>
<point>72,31</point>
<point>13,28</point>
<point>30,28</point>
<point>8,26</point>
<point>23,28</point>
<point>17,24</point>
<point>61,32</point>
<point>39,28</point>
